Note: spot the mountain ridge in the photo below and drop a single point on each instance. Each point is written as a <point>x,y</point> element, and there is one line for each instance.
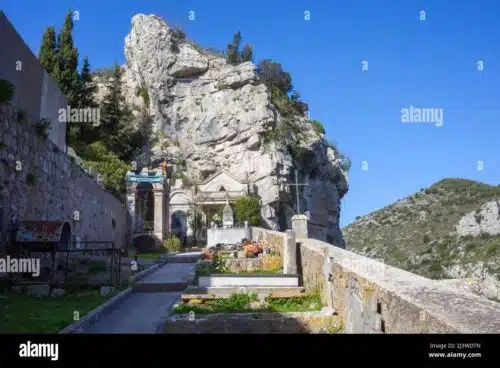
<point>448,231</point>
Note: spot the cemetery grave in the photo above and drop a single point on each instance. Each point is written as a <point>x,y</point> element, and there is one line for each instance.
<point>252,313</point>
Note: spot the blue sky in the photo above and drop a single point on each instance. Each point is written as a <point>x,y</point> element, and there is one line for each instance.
<point>428,64</point>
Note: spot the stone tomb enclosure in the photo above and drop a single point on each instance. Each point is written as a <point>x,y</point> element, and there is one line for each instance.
<point>254,323</point>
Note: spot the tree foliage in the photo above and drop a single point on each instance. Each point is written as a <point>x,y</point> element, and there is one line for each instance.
<point>65,70</point>
<point>233,54</point>
<point>117,129</point>
<point>7,90</point>
<point>85,98</point>
<point>247,209</point>
<point>48,50</point>
<point>318,127</point>
<point>108,165</point>
<point>274,77</point>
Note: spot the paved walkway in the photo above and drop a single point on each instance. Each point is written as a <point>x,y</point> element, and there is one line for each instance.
<point>170,273</point>
<point>139,313</point>
<point>145,312</point>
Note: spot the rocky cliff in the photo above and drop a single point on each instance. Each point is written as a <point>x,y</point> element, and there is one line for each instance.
<point>209,115</point>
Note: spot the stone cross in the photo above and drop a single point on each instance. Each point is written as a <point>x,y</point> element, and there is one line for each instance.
<point>297,185</point>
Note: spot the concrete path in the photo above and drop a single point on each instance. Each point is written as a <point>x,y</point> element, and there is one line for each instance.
<point>139,313</point>
<point>146,309</point>
<point>171,277</point>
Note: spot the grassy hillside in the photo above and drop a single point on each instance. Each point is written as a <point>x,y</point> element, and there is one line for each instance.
<point>419,234</point>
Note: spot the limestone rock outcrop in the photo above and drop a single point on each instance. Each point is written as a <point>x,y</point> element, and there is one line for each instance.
<point>212,115</point>
<point>485,220</point>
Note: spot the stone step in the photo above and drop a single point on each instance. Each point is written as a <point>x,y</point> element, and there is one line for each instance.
<point>160,287</point>
<point>210,292</point>
<point>274,295</point>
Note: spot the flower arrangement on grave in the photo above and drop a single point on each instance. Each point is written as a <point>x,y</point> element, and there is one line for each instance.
<point>252,248</point>
<point>208,254</point>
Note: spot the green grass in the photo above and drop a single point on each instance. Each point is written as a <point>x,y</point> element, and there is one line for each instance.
<point>154,253</point>
<point>306,303</point>
<point>207,271</point>
<point>29,314</point>
<point>96,266</point>
<point>240,303</point>
<point>333,331</point>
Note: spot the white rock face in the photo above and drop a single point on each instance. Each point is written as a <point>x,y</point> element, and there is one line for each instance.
<point>216,113</point>
<point>487,220</point>
<point>475,279</point>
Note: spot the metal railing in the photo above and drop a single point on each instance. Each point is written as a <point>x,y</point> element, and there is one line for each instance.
<point>77,263</point>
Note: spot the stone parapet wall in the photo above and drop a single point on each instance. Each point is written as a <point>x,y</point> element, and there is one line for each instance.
<point>275,240</point>
<point>40,182</point>
<point>371,297</point>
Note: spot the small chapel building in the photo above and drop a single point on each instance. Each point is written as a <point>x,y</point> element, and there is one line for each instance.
<point>159,205</point>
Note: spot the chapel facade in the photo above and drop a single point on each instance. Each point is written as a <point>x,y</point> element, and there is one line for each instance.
<point>160,202</point>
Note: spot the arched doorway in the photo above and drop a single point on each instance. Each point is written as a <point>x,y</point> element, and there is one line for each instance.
<point>145,207</point>
<point>65,236</point>
<point>179,226</point>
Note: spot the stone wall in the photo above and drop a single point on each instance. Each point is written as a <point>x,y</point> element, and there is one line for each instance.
<point>36,92</point>
<point>370,297</point>
<point>275,240</point>
<point>51,186</point>
<point>311,264</point>
<point>260,323</point>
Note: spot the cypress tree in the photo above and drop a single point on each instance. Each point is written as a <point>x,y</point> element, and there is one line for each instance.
<point>86,87</point>
<point>48,50</point>
<point>116,127</point>
<point>233,49</point>
<point>66,68</point>
<point>247,53</point>
<point>85,98</point>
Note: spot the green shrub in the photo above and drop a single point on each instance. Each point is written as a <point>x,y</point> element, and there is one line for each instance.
<point>318,127</point>
<point>172,243</point>
<point>7,91</point>
<point>346,163</point>
<point>42,127</point>
<point>247,209</point>
<point>143,92</point>
<point>108,164</point>
<point>21,116</point>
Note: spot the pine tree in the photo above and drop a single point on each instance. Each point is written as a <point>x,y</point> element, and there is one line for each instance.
<point>85,98</point>
<point>66,67</point>
<point>246,53</point>
<point>48,50</point>
<point>233,49</point>
<point>233,54</point>
<point>116,127</point>
<point>86,87</point>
